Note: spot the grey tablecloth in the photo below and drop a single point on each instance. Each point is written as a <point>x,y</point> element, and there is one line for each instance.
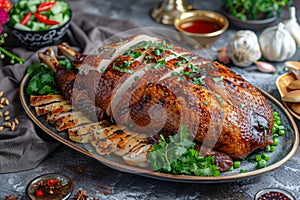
<point>26,146</point>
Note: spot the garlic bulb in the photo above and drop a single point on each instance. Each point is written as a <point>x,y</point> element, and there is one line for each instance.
<point>292,26</point>
<point>244,49</point>
<point>276,43</point>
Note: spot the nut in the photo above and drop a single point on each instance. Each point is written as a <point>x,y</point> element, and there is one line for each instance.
<point>6,118</point>
<point>13,125</point>
<point>6,102</point>
<point>16,121</point>
<point>6,124</point>
<point>1,93</point>
<point>6,113</point>
<point>1,128</point>
<point>1,106</point>
<point>1,114</point>
<point>2,100</point>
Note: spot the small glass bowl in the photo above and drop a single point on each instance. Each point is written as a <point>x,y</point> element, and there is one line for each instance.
<point>275,191</point>
<point>67,182</point>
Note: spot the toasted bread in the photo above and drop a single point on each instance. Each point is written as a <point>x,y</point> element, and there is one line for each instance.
<point>295,85</point>
<point>293,97</point>
<point>296,107</point>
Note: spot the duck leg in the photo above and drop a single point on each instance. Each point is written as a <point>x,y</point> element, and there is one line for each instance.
<point>65,80</point>
<point>76,57</point>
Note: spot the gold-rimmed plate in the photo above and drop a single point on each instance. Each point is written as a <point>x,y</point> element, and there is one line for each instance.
<point>282,82</point>
<point>284,151</point>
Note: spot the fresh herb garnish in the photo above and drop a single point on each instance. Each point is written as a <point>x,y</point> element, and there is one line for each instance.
<point>159,64</point>
<point>218,79</point>
<point>199,81</point>
<point>119,42</point>
<point>112,53</point>
<point>102,69</point>
<point>178,156</point>
<point>221,100</point>
<point>42,80</point>
<point>157,52</point>
<point>128,71</point>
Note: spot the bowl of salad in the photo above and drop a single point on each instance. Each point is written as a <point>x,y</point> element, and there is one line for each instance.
<point>40,23</point>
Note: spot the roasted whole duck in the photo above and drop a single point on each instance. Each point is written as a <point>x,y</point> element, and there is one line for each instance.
<point>153,87</point>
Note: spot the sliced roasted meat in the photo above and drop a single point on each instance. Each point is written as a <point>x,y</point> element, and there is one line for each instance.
<point>45,99</point>
<point>82,134</point>
<point>153,87</point>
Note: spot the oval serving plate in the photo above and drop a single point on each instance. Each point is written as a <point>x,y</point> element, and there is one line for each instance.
<point>284,151</point>
<point>282,82</point>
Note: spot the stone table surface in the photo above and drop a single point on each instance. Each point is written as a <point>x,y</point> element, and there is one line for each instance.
<point>96,178</point>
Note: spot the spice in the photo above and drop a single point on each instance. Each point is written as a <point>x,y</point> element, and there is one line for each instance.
<point>54,188</point>
<point>81,195</point>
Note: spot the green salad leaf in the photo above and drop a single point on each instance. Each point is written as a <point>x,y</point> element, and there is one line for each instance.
<point>177,155</point>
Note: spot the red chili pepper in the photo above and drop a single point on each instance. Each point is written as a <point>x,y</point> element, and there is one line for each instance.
<point>51,182</point>
<point>26,18</point>
<point>45,6</point>
<point>6,5</point>
<point>44,19</point>
<point>39,193</point>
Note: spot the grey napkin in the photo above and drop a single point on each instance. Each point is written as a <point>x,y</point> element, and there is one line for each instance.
<point>26,146</point>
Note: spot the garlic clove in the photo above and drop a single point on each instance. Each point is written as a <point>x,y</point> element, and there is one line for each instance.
<point>265,67</point>
<point>223,55</point>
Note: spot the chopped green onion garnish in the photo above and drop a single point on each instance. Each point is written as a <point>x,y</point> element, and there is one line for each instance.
<point>218,79</point>
<point>275,143</point>
<point>157,52</point>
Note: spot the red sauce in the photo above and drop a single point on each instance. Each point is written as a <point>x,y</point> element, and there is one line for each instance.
<point>200,26</point>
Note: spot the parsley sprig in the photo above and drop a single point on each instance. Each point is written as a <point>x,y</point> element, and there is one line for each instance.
<point>177,155</point>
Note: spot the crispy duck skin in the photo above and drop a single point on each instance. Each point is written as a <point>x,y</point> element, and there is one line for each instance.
<point>222,110</point>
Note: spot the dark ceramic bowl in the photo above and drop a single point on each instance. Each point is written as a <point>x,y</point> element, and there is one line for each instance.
<point>65,193</point>
<point>255,25</point>
<point>274,193</point>
<point>38,39</point>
